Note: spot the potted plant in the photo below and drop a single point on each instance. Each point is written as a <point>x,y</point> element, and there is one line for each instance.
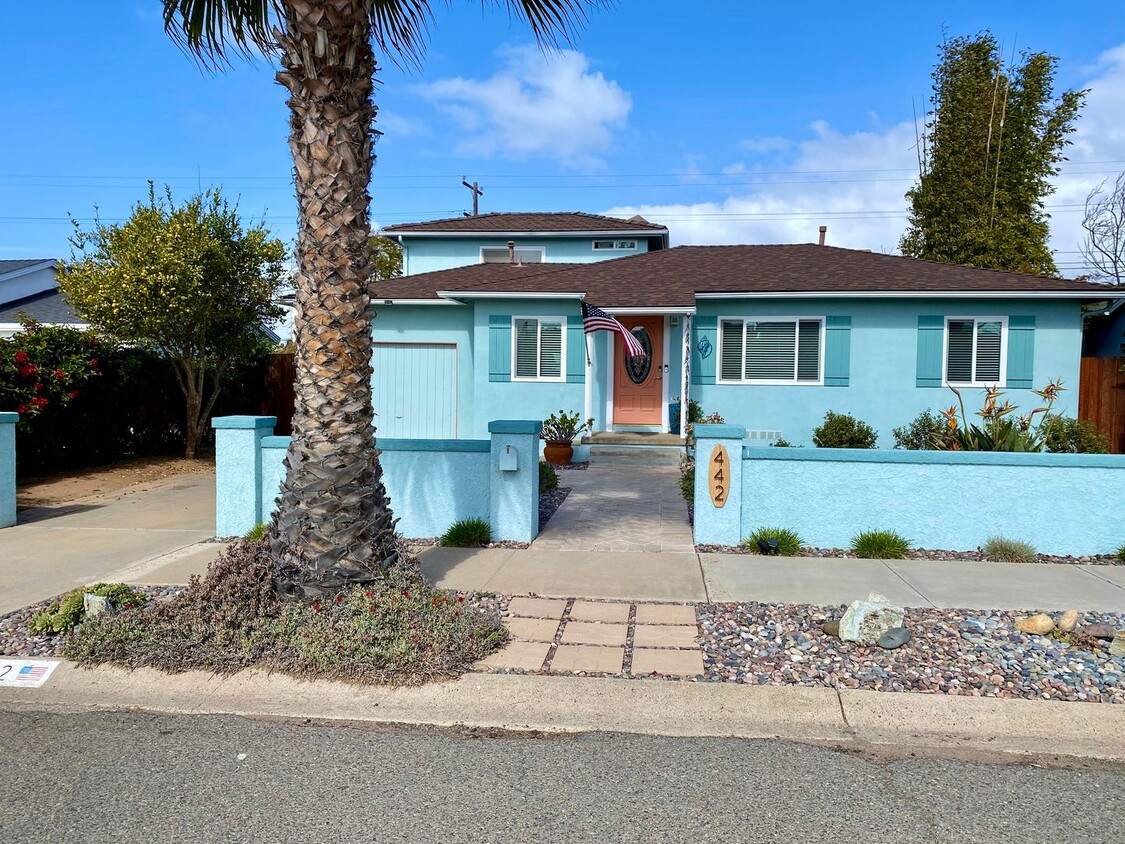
<point>560,430</point>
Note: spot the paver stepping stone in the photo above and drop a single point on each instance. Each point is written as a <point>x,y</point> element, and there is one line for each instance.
<point>665,614</point>
<point>537,607</point>
<point>526,656</point>
<point>594,633</point>
<point>599,611</point>
<point>671,663</point>
<point>665,636</point>
<point>533,629</point>
<point>589,658</point>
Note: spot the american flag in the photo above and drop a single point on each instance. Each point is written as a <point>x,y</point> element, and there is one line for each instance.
<point>32,672</point>
<point>595,319</point>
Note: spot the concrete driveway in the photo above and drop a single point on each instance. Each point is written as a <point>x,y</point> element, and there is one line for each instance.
<point>127,535</point>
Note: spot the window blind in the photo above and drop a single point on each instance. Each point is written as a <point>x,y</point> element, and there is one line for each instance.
<point>730,356</point>
<point>527,348</point>
<point>808,350</point>
<point>770,350</point>
<point>959,354</point>
<point>988,352</point>
<point>550,349</point>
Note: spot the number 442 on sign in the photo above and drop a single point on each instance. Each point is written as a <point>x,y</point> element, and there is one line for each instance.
<point>718,475</point>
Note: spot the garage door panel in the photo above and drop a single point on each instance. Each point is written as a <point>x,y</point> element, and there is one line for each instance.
<point>415,390</point>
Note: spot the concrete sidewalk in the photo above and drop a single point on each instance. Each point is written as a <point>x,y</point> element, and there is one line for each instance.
<point>742,577</point>
<point>156,532</point>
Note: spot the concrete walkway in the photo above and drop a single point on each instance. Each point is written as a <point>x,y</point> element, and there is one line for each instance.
<point>158,532</point>
<point>628,500</point>
<point>741,577</point>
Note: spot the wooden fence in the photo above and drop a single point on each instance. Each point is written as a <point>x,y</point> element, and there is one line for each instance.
<point>280,396</point>
<point>1101,397</point>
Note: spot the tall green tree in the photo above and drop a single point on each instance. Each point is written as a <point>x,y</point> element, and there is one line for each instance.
<point>334,524</point>
<point>994,140</point>
<point>386,258</point>
<point>186,279</point>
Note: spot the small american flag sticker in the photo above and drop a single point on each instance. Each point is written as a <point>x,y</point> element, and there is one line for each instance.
<point>29,673</point>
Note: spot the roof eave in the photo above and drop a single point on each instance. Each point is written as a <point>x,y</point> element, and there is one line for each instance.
<point>663,233</point>
<point>902,294</point>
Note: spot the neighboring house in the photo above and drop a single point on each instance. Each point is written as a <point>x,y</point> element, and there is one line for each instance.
<point>528,238</point>
<point>771,337</point>
<point>1105,328</point>
<point>29,288</point>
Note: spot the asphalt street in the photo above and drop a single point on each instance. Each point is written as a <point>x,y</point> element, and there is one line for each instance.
<point>133,777</point>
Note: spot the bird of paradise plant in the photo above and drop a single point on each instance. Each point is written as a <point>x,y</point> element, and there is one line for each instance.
<point>1000,430</point>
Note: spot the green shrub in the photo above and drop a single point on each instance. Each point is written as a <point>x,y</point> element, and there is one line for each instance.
<point>789,544</point>
<point>695,412</point>
<point>67,612</point>
<point>880,545</point>
<point>842,430</point>
<point>781,442</point>
<point>468,533</point>
<point>256,533</point>
<point>1066,435</point>
<point>687,481</point>
<point>548,478</point>
<point>398,630</point>
<point>1121,553</point>
<point>926,431</point>
<point>1001,550</point>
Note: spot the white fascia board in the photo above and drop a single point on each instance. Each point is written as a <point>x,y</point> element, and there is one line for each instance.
<point>490,294</point>
<point>512,235</point>
<point>376,302</point>
<point>677,309</point>
<point>929,294</point>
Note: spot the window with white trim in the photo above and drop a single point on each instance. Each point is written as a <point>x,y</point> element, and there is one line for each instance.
<point>777,350</point>
<point>615,246</point>
<point>523,255</point>
<point>538,348</point>
<point>975,351</point>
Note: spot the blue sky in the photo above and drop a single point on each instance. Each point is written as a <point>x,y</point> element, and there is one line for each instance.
<point>730,122</point>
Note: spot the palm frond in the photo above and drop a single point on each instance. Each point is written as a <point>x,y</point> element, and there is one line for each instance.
<point>211,29</point>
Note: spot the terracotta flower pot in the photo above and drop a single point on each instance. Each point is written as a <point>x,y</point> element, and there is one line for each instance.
<point>558,453</point>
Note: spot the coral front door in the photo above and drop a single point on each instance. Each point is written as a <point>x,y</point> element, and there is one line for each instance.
<point>638,383</point>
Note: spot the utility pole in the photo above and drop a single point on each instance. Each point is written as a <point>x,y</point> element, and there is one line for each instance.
<point>478,192</point>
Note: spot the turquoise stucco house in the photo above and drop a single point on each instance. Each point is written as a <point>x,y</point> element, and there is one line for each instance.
<point>771,337</point>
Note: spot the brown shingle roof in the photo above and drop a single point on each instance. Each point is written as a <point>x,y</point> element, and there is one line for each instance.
<point>673,277</point>
<point>526,223</point>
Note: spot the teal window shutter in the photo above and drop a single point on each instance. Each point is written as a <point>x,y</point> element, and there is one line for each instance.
<point>575,350</point>
<point>704,349</point>
<point>931,335</point>
<point>499,347</point>
<point>837,350</point>
<point>1021,352</point>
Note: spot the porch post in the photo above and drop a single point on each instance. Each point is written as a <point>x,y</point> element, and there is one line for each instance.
<point>685,378</point>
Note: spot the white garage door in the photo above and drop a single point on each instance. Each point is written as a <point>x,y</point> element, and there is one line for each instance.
<point>415,390</point>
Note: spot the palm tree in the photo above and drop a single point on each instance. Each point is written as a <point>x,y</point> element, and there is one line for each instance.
<point>334,524</point>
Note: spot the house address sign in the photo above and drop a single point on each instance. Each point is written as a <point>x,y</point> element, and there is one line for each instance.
<point>718,474</point>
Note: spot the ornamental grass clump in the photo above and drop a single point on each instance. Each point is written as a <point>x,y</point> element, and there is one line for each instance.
<point>1000,550</point>
<point>788,542</point>
<point>468,533</point>
<point>1120,554</point>
<point>398,631</point>
<point>69,611</point>
<point>880,545</point>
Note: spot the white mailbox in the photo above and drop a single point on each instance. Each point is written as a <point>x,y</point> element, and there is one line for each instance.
<point>508,459</point>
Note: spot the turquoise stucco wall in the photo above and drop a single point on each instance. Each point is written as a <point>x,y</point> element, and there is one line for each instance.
<point>1060,503</point>
<point>430,483</point>
<point>883,360</point>
<point>8,422</point>
<point>427,254</point>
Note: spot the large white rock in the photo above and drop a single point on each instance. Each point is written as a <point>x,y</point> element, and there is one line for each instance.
<point>867,621</point>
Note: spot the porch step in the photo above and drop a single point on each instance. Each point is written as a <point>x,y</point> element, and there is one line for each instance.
<point>651,438</point>
<point>636,454</point>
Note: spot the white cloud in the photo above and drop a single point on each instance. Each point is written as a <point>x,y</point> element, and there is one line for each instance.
<point>539,105</point>
<point>864,206</point>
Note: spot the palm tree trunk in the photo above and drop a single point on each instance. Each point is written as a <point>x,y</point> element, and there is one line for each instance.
<point>334,525</point>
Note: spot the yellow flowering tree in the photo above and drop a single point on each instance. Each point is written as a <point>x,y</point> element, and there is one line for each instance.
<point>186,279</point>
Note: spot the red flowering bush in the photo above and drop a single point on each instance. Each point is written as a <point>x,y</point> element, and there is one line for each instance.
<point>26,358</point>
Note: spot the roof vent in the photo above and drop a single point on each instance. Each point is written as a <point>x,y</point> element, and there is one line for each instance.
<point>823,233</point>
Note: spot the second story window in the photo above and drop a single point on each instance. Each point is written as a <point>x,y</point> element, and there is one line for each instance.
<point>615,246</point>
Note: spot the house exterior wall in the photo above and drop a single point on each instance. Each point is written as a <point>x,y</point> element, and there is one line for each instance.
<point>427,254</point>
<point>1109,339</point>
<point>882,365</point>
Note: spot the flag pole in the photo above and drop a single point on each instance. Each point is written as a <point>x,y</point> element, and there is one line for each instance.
<point>586,337</point>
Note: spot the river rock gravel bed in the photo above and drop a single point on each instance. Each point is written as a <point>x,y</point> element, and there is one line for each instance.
<point>958,652</point>
<point>931,554</point>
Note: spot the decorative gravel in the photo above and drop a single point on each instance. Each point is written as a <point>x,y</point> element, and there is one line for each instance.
<point>956,652</point>
<point>16,640</point>
<point>581,466</point>
<point>923,554</point>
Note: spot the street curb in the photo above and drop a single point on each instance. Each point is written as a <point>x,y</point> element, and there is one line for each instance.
<point>860,720</point>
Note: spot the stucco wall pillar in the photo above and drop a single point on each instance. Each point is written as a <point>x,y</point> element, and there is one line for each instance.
<point>238,472</point>
<point>514,494</point>
<point>715,524</point>
<point>8,422</point>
